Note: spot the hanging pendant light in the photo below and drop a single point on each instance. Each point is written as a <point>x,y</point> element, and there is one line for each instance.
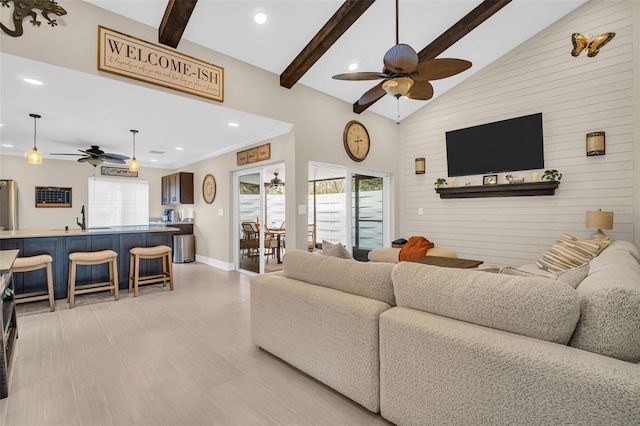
<point>34,156</point>
<point>134,166</point>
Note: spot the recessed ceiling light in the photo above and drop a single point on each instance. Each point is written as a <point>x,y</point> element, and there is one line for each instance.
<point>353,67</point>
<point>260,18</point>
<point>154,161</point>
<point>179,148</point>
<point>33,81</point>
<point>233,124</point>
<point>6,145</point>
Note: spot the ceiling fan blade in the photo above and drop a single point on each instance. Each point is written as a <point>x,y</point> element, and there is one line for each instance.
<point>83,159</point>
<point>112,160</point>
<point>464,26</point>
<point>56,153</point>
<point>360,76</point>
<point>421,91</point>
<point>372,95</point>
<point>435,69</point>
<point>401,58</point>
<point>113,156</point>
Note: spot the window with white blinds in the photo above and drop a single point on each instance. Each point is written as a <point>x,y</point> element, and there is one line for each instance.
<point>118,202</point>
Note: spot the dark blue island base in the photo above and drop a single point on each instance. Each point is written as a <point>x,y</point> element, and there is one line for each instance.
<point>60,245</point>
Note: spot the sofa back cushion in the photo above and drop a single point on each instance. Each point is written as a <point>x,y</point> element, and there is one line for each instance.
<point>372,280</point>
<point>610,306</point>
<point>531,306</point>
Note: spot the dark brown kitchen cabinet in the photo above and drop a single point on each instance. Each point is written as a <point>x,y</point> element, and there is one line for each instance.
<point>177,188</point>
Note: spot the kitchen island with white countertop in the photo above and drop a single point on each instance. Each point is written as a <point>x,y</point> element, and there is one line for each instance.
<point>59,243</point>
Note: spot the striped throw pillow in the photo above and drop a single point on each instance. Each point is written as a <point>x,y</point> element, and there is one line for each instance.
<point>570,252</point>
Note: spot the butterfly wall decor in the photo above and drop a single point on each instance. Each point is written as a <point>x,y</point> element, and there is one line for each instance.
<point>580,42</point>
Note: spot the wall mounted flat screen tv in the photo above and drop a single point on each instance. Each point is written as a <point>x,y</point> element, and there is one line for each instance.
<point>504,146</point>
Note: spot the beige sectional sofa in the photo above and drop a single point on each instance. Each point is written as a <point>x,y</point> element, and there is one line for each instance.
<point>321,315</point>
<point>435,346</point>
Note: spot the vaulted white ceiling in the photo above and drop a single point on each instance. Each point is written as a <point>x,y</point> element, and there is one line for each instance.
<point>228,27</point>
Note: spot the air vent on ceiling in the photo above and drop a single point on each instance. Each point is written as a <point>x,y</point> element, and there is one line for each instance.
<point>153,151</point>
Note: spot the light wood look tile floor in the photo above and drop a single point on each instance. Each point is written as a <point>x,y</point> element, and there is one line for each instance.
<point>164,358</point>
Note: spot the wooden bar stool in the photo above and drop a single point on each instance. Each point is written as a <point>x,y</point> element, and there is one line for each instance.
<point>158,252</point>
<point>34,263</point>
<point>93,258</point>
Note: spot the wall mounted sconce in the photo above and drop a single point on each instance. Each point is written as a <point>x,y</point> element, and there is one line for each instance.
<point>599,220</point>
<point>595,143</point>
<point>420,166</point>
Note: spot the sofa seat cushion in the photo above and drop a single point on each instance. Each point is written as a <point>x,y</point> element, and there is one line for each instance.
<point>392,254</point>
<point>372,280</point>
<point>531,306</point>
<point>610,307</point>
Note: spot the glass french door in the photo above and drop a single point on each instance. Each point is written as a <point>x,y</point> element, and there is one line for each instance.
<point>249,207</point>
<point>260,219</point>
<point>368,212</point>
<point>349,206</point>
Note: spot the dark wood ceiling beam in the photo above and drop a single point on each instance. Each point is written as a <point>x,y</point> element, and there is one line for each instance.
<point>175,19</point>
<point>477,16</point>
<point>464,26</point>
<point>344,17</point>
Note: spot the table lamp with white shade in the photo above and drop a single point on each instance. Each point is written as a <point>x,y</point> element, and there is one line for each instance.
<point>599,220</point>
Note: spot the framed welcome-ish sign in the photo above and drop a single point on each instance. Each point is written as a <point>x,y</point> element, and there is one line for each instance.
<point>131,57</point>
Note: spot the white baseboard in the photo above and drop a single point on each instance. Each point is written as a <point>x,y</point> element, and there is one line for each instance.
<point>225,266</point>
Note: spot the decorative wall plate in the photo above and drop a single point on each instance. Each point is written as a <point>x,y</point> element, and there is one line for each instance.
<point>209,189</point>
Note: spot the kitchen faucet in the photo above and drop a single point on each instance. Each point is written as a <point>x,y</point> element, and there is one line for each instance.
<point>82,225</point>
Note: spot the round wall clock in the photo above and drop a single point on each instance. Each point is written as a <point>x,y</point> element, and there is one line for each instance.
<point>356,140</point>
<point>209,189</point>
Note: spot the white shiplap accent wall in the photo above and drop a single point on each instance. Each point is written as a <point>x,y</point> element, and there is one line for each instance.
<point>576,96</point>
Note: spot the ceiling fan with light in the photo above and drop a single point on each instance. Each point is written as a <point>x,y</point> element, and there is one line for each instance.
<point>276,182</point>
<point>95,156</point>
<point>404,74</point>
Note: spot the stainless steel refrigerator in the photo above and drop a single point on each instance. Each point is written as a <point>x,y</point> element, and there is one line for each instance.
<point>8,205</point>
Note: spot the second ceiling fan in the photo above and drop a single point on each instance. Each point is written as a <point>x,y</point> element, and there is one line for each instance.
<point>404,74</point>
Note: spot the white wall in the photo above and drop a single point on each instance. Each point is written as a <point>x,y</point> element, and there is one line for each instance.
<point>63,174</point>
<point>576,96</point>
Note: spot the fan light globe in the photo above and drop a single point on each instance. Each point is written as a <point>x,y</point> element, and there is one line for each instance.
<point>398,86</point>
<point>94,161</point>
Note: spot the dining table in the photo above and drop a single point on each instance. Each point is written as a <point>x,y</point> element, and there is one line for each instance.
<point>279,233</point>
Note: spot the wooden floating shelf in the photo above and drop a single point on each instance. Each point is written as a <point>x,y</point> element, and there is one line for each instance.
<point>502,190</point>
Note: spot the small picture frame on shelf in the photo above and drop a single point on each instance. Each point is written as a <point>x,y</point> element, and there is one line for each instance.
<point>489,179</point>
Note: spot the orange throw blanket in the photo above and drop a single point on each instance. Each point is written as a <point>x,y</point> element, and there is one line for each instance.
<point>415,247</point>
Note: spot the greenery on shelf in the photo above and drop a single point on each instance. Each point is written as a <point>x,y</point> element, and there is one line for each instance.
<point>8,292</point>
<point>440,182</point>
<point>552,175</point>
